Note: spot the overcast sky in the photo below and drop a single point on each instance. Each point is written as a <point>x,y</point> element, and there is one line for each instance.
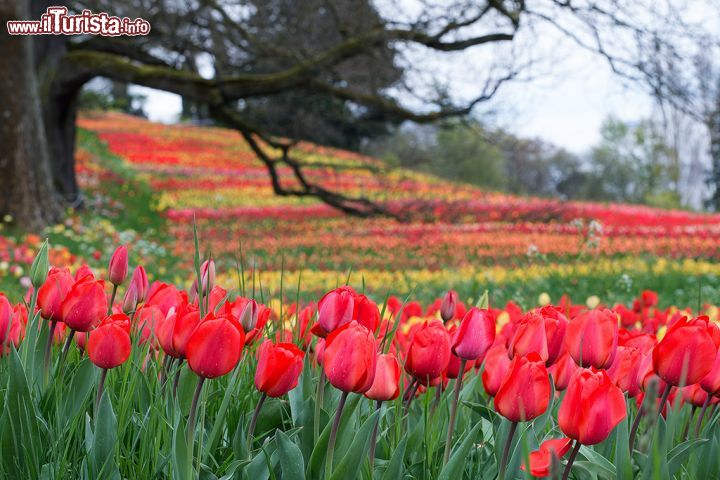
<point>571,93</point>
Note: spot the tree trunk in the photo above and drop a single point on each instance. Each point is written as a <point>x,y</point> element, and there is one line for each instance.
<point>28,194</point>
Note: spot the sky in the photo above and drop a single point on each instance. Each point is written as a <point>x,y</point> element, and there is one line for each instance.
<point>565,103</point>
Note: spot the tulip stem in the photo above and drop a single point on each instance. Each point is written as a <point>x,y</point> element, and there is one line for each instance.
<point>193,412</point>
<point>176,382</point>
<point>333,436</point>
<point>702,415</point>
<point>663,399</point>
<point>319,404</point>
<point>66,348</point>
<point>634,428</point>
<point>453,411</point>
<point>101,387</point>
<point>571,460</point>
<point>253,422</point>
<point>48,346</point>
<point>411,394</point>
<point>112,299</point>
<point>506,451</point>
<point>373,439</point>
<point>687,424</point>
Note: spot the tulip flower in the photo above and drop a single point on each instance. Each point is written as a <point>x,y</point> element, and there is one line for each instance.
<point>366,313</point>
<point>448,306</point>
<point>335,309</point>
<point>497,363</point>
<point>687,352</point>
<point>6,315</point>
<point>592,338</point>
<point>118,267</point>
<point>213,350</point>
<point>109,346</point>
<point>590,410</point>
<point>562,371</point>
<point>429,351</point>
<point>625,368</point>
<point>471,341</point>
<point>214,347</point>
<point>207,275</point>
<point>386,385</point>
<point>50,297</point>
<point>278,370</point>
<point>85,305</point>
<point>523,395</point>
<point>550,452</point>
<point>349,364</point>
<point>279,367</point>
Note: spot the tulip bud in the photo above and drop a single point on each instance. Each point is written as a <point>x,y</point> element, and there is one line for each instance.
<point>687,351</point>
<point>475,335</point>
<point>336,309</point>
<point>592,407</point>
<point>249,316</point>
<point>131,298</point>
<point>386,384</point>
<point>40,266</point>
<point>118,267</point>
<point>429,351</point>
<point>592,338</point>
<point>525,391</point>
<point>350,358</point>
<point>207,275</point>
<point>279,367</point>
<point>109,345</point>
<point>85,305</point>
<point>624,370</point>
<point>139,278</point>
<point>214,348</point>
<point>448,305</point>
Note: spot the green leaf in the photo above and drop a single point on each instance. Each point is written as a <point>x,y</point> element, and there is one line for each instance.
<point>394,468</point>
<point>102,455</point>
<point>623,462</point>
<point>40,266</point>
<point>483,301</point>
<point>317,458</point>
<point>349,466</point>
<point>678,455</point>
<point>455,466</point>
<point>485,412</point>
<point>181,452</point>
<point>292,464</point>
<point>600,464</point>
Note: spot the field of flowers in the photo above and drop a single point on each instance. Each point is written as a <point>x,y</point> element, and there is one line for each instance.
<point>187,323</point>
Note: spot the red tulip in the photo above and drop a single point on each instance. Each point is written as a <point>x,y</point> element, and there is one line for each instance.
<point>687,352</point>
<point>118,268</point>
<point>429,351</point>
<point>146,320</point>
<point>6,314</point>
<point>249,315</point>
<point>695,395</point>
<point>336,309</point>
<point>448,306</point>
<point>562,371</point>
<point>18,323</point>
<point>214,347</point>
<point>711,382</point>
<point>186,323</point>
<point>278,369</point>
<point>109,345</point>
<point>52,293</point>
<point>85,305</point>
<point>207,275</point>
<point>497,364</point>
<point>592,338</point>
<point>386,385</point>
<point>349,358</point>
<point>542,458</point>
<point>525,391</point>
<point>592,407</point>
<point>366,313</point>
<point>625,368</point>
<point>475,335</point>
